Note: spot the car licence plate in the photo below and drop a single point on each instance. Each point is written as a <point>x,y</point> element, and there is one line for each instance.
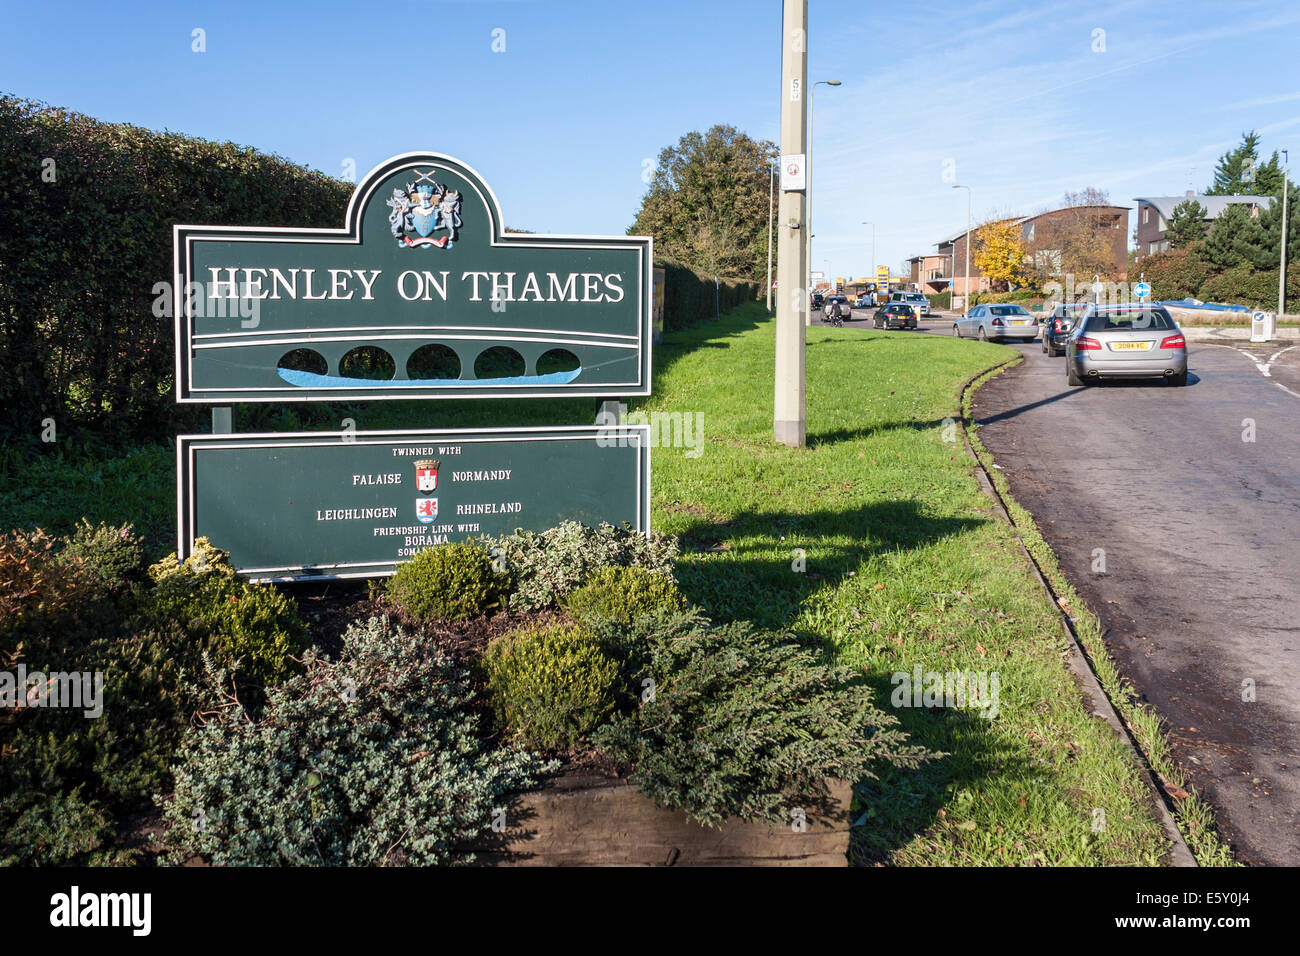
<point>1130,346</point>
<point>1019,321</point>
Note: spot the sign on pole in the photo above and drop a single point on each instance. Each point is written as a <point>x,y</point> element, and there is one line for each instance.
<point>794,173</point>
<point>420,294</point>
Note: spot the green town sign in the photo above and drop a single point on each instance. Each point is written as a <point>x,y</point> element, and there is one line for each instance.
<point>330,504</point>
<point>421,294</point>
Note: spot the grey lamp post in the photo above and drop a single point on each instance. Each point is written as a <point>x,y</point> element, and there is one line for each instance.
<point>1281,275</point>
<point>965,299</point>
<point>812,97</point>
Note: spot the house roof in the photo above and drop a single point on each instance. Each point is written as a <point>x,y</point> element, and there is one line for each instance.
<point>1021,220</point>
<point>1214,205</point>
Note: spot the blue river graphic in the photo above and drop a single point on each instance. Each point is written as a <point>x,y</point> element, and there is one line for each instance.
<point>314,380</point>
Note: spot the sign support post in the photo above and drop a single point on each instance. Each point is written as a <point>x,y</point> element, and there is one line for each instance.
<point>223,419</point>
<point>790,416</point>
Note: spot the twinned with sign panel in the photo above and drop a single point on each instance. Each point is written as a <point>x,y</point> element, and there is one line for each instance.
<point>420,294</point>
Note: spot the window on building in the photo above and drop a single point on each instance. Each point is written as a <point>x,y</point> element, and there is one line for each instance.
<point>1146,215</point>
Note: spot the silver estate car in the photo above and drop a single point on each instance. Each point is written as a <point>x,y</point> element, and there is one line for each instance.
<point>997,321</point>
<point>1126,341</point>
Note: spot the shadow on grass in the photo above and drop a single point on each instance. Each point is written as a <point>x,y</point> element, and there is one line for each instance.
<point>734,571</point>
<point>901,803</point>
<point>745,568</point>
<point>834,435</point>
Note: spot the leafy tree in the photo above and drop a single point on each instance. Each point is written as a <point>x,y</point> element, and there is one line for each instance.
<point>1187,224</point>
<point>1238,172</point>
<point>707,204</point>
<point>998,251</point>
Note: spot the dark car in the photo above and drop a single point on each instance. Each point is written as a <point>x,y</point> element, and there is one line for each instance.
<point>817,300</point>
<point>1057,327</point>
<point>896,315</point>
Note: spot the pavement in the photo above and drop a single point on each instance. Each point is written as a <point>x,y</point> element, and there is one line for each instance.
<point>1182,536</point>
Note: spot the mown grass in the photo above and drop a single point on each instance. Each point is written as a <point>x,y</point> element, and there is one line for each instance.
<point>905,566</point>
<point>875,542</point>
<point>1194,817</point>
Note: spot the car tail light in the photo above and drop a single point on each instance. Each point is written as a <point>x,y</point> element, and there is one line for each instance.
<point>997,321</point>
<point>1173,342</point>
<point>1056,326</point>
<point>1086,344</point>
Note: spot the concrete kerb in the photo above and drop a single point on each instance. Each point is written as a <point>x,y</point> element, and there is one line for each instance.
<point>1080,663</point>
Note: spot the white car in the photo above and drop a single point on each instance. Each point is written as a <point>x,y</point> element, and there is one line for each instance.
<point>915,299</point>
<point>997,321</point>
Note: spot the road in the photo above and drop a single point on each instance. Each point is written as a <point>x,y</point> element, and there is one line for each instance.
<point>1197,520</point>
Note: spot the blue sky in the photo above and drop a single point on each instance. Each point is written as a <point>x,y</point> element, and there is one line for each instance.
<point>1012,93</point>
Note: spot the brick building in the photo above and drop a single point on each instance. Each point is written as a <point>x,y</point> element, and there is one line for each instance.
<point>1155,212</point>
<point>945,268</point>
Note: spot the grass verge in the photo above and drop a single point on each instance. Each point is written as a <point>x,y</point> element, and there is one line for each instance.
<point>874,543</point>
<point>1193,815</point>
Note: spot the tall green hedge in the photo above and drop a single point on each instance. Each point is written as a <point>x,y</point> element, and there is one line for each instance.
<point>86,216</point>
<point>691,298</point>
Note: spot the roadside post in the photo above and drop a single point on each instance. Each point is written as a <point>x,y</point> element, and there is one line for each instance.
<point>421,294</point>
<point>789,412</point>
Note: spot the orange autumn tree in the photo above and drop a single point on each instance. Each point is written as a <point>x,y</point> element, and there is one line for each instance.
<point>999,251</point>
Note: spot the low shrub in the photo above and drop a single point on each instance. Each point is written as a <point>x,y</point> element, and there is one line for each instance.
<point>545,566</point>
<point>451,582</point>
<point>61,829</point>
<point>745,723</point>
<point>623,594</point>
<point>256,624</point>
<point>373,759</point>
<point>551,685</point>
<point>42,596</point>
<point>115,554</point>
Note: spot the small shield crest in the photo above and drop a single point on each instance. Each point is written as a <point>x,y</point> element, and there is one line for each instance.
<point>426,509</point>
<point>426,476</point>
<point>424,214</point>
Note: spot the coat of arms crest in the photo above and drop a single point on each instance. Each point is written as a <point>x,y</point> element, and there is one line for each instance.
<point>426,476</point>
<point>423,208</point>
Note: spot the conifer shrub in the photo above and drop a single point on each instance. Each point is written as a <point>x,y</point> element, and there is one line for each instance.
<point>545,566</point>
<point>744,723</point>
<point>374,759</point>
<point>450,582</point>
<point>115,554</point>
<point>623,594</point>
<point>63,829</point>
<point>551,684</point>
<point>255,623</point>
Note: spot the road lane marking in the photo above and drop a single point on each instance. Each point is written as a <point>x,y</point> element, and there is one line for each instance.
<point>1262,366</point>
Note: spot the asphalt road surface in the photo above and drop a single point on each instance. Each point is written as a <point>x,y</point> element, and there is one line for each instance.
<point>1199,529</point>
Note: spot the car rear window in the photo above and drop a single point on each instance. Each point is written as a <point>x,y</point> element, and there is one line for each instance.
<point>1007,310</point>
<point>1155,319</point>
